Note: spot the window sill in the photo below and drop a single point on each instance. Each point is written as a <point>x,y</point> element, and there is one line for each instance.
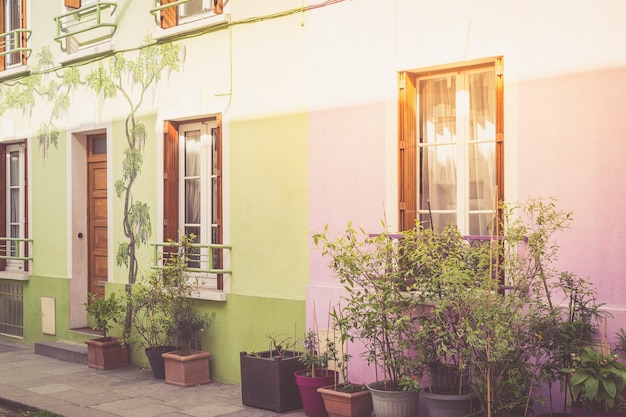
<point>87,53</point>
<point>187,28</point>
<point>14,275</point>
<point>15,72</point>
<point>210,295</point>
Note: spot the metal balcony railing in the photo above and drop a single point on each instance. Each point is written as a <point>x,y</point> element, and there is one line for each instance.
<point>17,249</point>
<point>85,19</point>
<point>14,41</point>
<point>201,258</point>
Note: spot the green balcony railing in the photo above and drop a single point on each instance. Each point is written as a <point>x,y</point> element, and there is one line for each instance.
<point>18,249</point>
<point>85,19</point>
<point>14,41</point>
<point>201,258</point>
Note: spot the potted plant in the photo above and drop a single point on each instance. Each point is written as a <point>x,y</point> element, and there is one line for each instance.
<point>185,366</point>
<point>345,399</point>
<point>378,311</point>
<point>316,374</point>
<point>152,298</point>
<point>151,323</point>
<point>597,382</point>
<point>106,352</point>
<point>267,377</point>
<point>475,308</point>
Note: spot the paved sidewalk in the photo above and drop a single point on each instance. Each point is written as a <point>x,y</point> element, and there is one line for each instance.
<point>73,390</point>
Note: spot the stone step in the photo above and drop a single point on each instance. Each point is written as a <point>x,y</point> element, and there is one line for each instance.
<point>64,351</point>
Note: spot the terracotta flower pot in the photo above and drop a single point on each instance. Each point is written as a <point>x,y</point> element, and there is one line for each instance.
<point>352,403</point>
<point>186,371</point>
<point>106,353</point>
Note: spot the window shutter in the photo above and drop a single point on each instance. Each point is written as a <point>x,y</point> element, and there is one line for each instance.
<point>74,4</point>
<point>3,205</point>
<point>500,129</point>
<point>218,6</point>
<point>25,202</point>
<point>170,182</point>
<point>24,36</point>
<point>169,16</point>
<point>2,58</point>
<point>406,151</point>
<point>219,231</point>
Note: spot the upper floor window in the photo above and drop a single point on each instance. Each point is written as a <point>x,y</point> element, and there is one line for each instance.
<point>173,13</point>
<point>192,197</point>
<point>14,33</point>
<point>87,27</point>
<point>451,152</point>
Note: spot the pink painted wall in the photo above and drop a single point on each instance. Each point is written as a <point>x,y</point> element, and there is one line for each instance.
<point>565,124</point>
<point>572,144</point>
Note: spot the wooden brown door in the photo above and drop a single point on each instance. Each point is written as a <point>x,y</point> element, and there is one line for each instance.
<point>97,213</point>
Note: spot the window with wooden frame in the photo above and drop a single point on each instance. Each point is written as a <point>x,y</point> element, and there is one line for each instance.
<point>188,11</point>
<point>14,209</point>
<point>451,147</point>
<point>192,192</point>
<point>12,20</point>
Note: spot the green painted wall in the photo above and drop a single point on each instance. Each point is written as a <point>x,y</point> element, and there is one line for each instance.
<point>242,324</point>
<point>35,288</point>
<point>48,202</point>
<point>269,206</point>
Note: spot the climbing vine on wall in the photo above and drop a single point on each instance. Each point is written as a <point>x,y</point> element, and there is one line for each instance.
<point>125,75</point>
<point>46,81</point>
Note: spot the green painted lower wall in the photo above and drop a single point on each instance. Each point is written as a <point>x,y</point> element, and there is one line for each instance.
<point>36,288</point>
<point>242,323</point>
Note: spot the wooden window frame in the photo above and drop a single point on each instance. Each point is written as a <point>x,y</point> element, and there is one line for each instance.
<point>24,36</point>
<point>408,128</point>
<point>171,184</point>
<point>3,193</point>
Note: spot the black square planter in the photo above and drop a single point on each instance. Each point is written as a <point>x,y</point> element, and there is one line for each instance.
<point>267,380</point>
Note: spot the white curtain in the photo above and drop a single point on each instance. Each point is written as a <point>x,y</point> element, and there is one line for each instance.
<point>481,151</point>
<point>438,167</point>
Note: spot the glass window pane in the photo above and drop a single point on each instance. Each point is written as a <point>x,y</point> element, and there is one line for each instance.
<point>482,175</point>
<point>438,178</point>
<point>482,97</point>
<point>480,224</point>
<point>14,158</point>
<point>192,153</point>
<point>99,146</point>
<point>192,201</point>
<point>192,8</point>
<point>439,220</point>
<point>438,110</point>
<point>194,260</point>
<point>15,205</point>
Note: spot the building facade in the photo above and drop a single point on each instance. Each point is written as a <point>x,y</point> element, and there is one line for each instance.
<point>255,124</point>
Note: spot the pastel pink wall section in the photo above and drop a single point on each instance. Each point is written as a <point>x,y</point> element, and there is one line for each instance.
<point>572,145</point>
<point>346,183</point>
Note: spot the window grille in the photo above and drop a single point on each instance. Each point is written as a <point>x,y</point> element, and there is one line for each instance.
<point>11,309</point>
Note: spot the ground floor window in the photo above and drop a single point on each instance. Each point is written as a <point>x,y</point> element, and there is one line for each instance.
<point>11,309</point>
<point>451,146</point>
<point>192,203</point>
